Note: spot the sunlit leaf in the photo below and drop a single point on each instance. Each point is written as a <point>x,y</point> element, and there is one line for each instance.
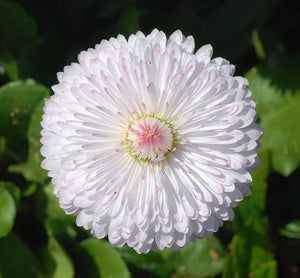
<point>99,259</point>
<point>7,212</point>
<point>279,113</point>
<point>291,230</point>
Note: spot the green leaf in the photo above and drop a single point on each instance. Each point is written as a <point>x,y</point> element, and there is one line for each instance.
<point>258,46</point>
<point>7,212</point>
<point>279,114</point>
<point>56,262</point>
<point>47,205</point>
<point>10,66</point>
<point>203,258</point>
<point>267,270</point>
<point>17,102</point>
<point>281,136</point>
<point>17,28</point>
<point>31,169</point>
<point>129,21</point>
<point>63,230</point>
<point>259,188</point>
<point>254,205</point>
<point>16,259</point>
<point>13,190</point>
<point>283,71</point>
<point>250,251</point>
<point>154,261</point>
<point>99,259</point>
<point>291,230</point>
<point>30,189</point>
<point>2,145</point>
<point>3,161</point>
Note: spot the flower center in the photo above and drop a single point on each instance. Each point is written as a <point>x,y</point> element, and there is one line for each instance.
<point>149,138</point>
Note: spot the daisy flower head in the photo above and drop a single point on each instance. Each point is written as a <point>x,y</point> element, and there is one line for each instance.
<point>149,143</point>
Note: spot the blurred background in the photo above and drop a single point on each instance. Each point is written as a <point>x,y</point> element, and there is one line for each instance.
<point>39,37</point>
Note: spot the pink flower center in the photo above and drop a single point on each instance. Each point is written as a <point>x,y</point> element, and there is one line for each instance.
<point>149,138</point>
<point>148,134</point>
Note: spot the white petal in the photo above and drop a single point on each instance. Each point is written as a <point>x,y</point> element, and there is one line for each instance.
<point>148,143</point>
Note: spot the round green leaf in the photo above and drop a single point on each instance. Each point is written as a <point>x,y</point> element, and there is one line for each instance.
<point>7,212</point>
<point>13,190</point>
<point>17,102</point>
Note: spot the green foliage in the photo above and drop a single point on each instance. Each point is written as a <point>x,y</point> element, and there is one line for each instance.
<point>278,113</point>
<point>255,204</point>
<point>259,188</point>
<point>291,230</point>
<point>10,67</point>
<point>17,28</point>
<point>250,252</point>
<point>56,262</point>
<point>18,100</point>
<point>37,238</point>
<point>204,258</point>
<point>48,205</point>
<point>31,169</point>
<point>16,259</point>
<point>2,145</point>
<point>153,262</point>
<point>13,190</point>
<point>7,212</point>
<point>259,49</point>
<point>100,260</point>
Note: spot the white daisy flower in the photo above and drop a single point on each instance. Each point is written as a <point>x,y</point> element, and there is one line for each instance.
<point>148,143</point>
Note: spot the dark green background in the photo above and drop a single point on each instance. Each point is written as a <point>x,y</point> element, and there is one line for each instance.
<point>38,38</point>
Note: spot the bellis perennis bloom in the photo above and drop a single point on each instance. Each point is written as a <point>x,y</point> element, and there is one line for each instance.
<point>149,143</point>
